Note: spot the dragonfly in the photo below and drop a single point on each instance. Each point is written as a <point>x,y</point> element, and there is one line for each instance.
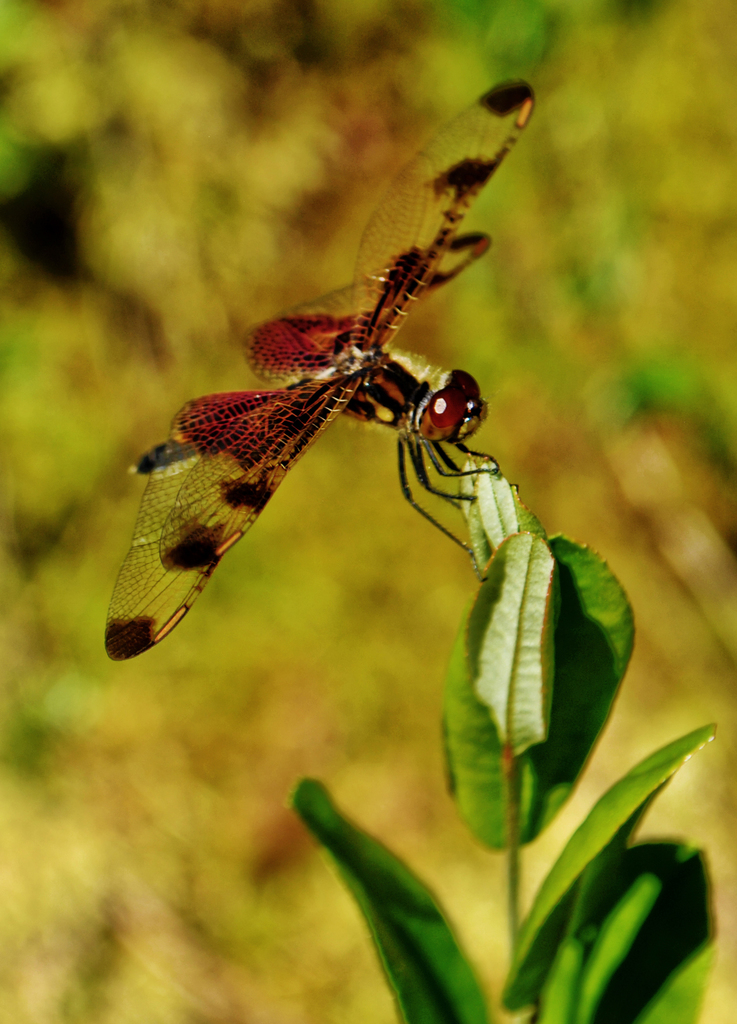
<point>227,453</point>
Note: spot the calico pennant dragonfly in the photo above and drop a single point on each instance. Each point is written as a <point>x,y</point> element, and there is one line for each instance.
<point>228,452</point>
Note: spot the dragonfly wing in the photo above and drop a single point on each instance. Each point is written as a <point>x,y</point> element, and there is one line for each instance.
<point>304,342</point>
<point>414,228</point>
<point>208,484</point>
<point>462,251</point>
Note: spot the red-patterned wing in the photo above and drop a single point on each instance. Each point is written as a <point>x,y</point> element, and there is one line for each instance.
<point>410,244</point>
<point>227,455</point>
<point>305,342</point>
<point>309,340</point>
<point>409,239</point>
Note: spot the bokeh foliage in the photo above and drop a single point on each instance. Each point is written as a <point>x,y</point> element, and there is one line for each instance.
<point>170,173</point>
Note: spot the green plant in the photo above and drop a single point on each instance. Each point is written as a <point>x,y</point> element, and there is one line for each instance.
<point>619,932</point>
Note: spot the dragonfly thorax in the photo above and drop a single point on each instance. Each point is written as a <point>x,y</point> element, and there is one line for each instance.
<point>388,394</point>
<point>392,394</point>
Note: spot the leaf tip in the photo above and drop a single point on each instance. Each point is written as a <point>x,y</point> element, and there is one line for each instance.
<point>304,794</point>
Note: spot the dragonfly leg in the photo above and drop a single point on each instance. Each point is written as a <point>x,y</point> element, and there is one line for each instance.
<point>418,462</point>
<point>406,491</point>
<point>493,468</point>
<point>435,449</point>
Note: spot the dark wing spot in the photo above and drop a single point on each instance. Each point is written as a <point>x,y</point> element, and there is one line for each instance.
<point>151,460</point>
<point>246,494</point>
<point>125,638</point>
<point>196,551</point>
<point>464,177</point>
<point>164,455</point>
<point>508,97</point>
<point>475,240</point>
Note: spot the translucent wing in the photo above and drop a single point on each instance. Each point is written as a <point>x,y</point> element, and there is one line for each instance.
<point>308,341</point>
<point>410,244</point>
<point>412,233</point>
<point>227,455</point>
<point>303,342</point>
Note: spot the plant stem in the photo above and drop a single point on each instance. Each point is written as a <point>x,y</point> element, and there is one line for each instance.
<point>512,777</point>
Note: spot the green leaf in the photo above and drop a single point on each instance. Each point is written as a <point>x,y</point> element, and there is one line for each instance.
<point>602,596</point>
<point>476,533</point>
<point>581,910</point>
<point>496,507</point>
<point>613,942</point>
<point>473,752</point>
<point>432,980</point>
<point>561,991</point>
<point>492,516</point>
<point>607,877</point>
<point>593,640</point>
<point>679,1000</point>
<point>497,512</point>
<point>637,952</point>
<point>528,521</point>
<point>677,927</point>
<point>604,821</point>
<point>509,634</point>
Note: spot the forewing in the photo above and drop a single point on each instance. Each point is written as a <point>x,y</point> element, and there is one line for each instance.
<point>305,342</point>
<point>227,455</point>
<point>411,234</point>
<point>410,244</point>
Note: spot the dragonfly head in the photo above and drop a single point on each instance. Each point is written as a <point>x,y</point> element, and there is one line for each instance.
<point>455,411</point>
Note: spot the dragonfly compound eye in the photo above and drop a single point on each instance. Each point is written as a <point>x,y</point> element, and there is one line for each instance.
<point>454,411</point>
<point>447,408</point>
<point>468,384</point>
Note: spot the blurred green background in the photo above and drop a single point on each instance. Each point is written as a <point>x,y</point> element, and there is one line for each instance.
<point>170,173</point>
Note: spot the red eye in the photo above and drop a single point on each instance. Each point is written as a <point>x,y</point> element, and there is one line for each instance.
<point>455,411</point>
<point>448,407</point>
<point>467,383</point>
